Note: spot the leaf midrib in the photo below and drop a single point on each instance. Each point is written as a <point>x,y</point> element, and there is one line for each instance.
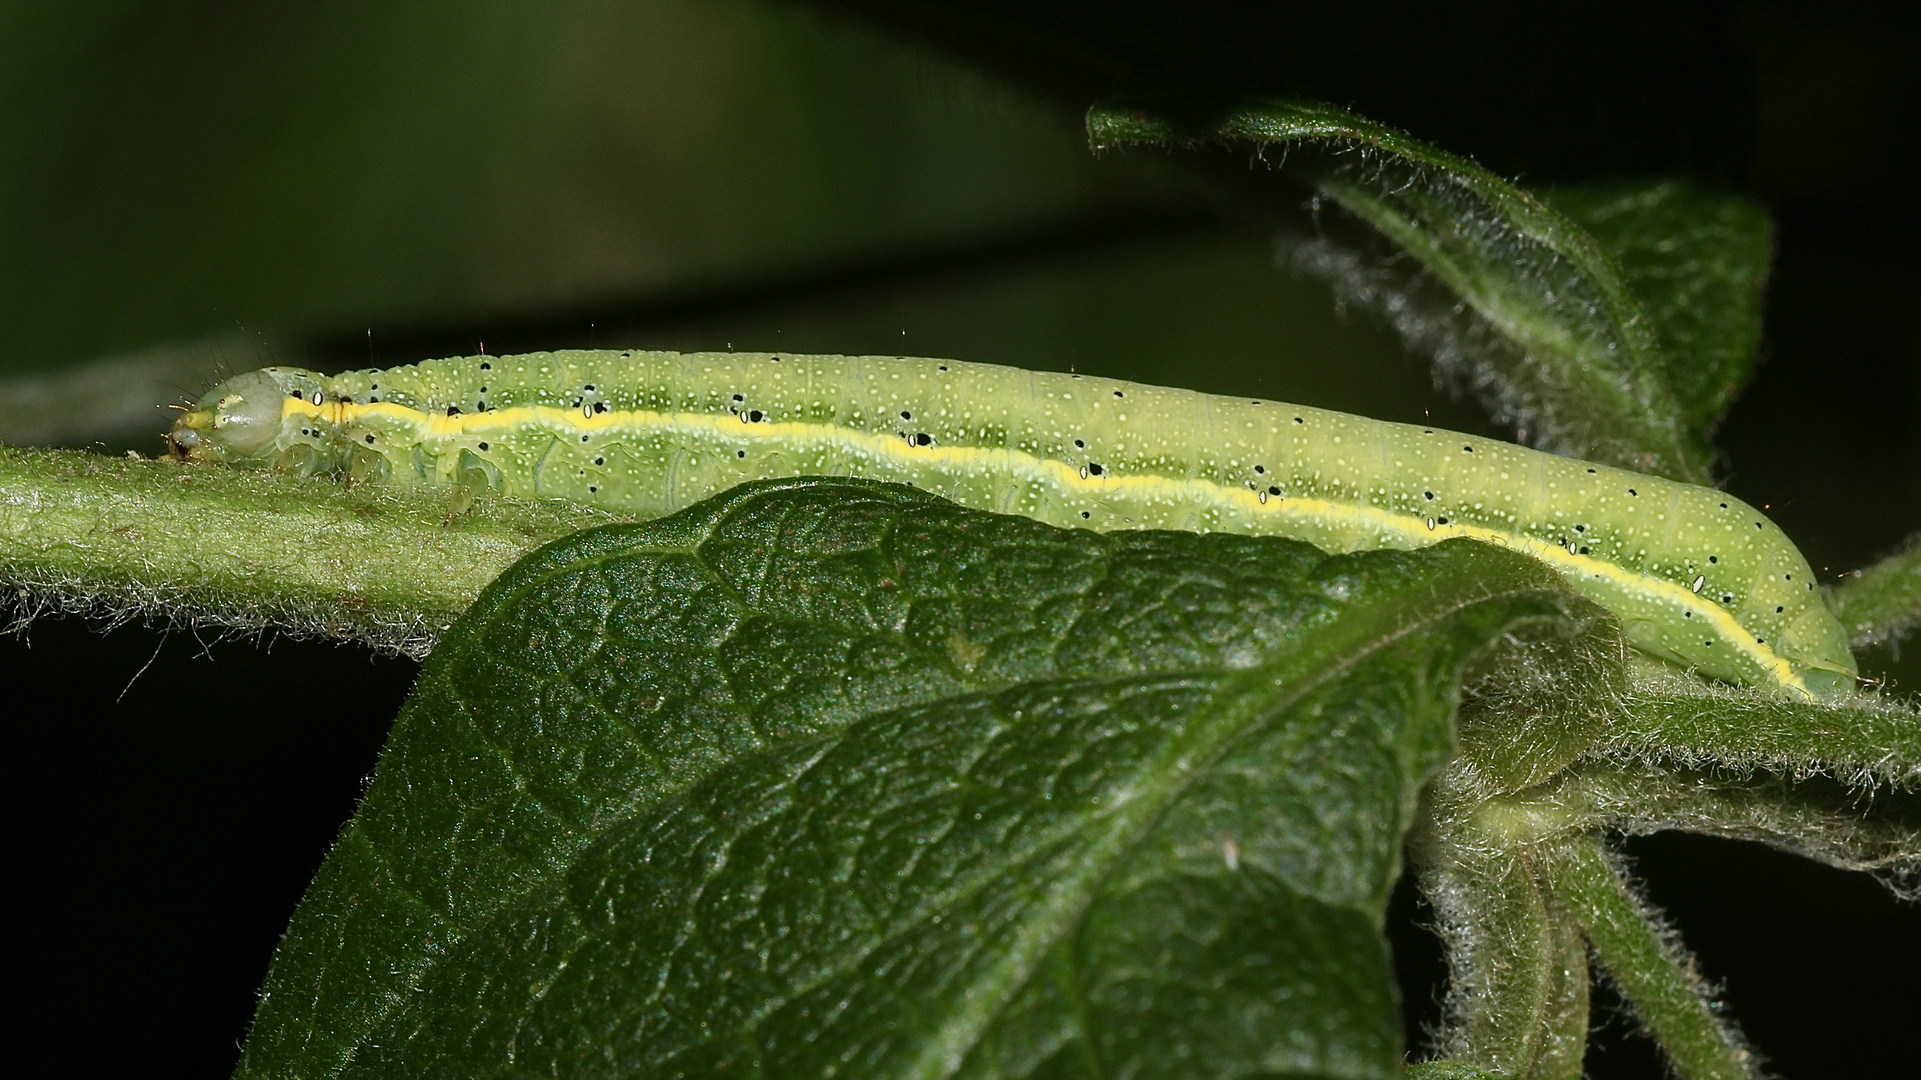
<point>1346,652</point>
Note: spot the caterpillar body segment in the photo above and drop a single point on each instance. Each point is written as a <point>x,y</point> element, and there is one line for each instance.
<point>1698,576</point>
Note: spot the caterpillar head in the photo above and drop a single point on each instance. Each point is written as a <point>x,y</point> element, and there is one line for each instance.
<point>238,422</point>
<point>1818,647</point>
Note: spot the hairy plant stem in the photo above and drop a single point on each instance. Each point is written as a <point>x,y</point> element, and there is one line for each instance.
<point>1882,602</point>
<point>125,539</point>
<point>1647,962</point>
<point>1523,886</point>
<point>1517,1002</point>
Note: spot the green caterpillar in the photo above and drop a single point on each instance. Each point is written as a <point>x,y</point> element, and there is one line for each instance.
<point>1698,576</point>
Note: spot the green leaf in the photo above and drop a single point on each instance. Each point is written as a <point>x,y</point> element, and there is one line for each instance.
<point>1512,298</point>
<point>1697,259</point>
<point>830,775</point>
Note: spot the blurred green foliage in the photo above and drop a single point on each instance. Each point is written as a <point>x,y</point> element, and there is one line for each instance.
<point>336,184</point>
<point>180,169</point>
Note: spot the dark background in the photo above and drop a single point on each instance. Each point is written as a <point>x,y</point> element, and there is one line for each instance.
<point>172,795</point>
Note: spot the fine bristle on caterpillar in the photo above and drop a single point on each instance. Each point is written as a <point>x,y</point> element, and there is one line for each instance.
<point>1698,577</point>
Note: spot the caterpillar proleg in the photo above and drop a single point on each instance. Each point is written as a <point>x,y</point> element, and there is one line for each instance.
<point>1698,576</point>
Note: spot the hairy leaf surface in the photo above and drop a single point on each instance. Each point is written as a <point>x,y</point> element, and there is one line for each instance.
<point>830,777</point>
<point>1513,299</point>
<point>1697,259</point>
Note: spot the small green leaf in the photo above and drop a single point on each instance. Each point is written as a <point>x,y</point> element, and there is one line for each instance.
<point>827,777</point>
<point>1697,259</point>
<point>1524,307</point>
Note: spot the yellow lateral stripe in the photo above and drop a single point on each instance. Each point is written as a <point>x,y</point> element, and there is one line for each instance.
<point>1414,529</point>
